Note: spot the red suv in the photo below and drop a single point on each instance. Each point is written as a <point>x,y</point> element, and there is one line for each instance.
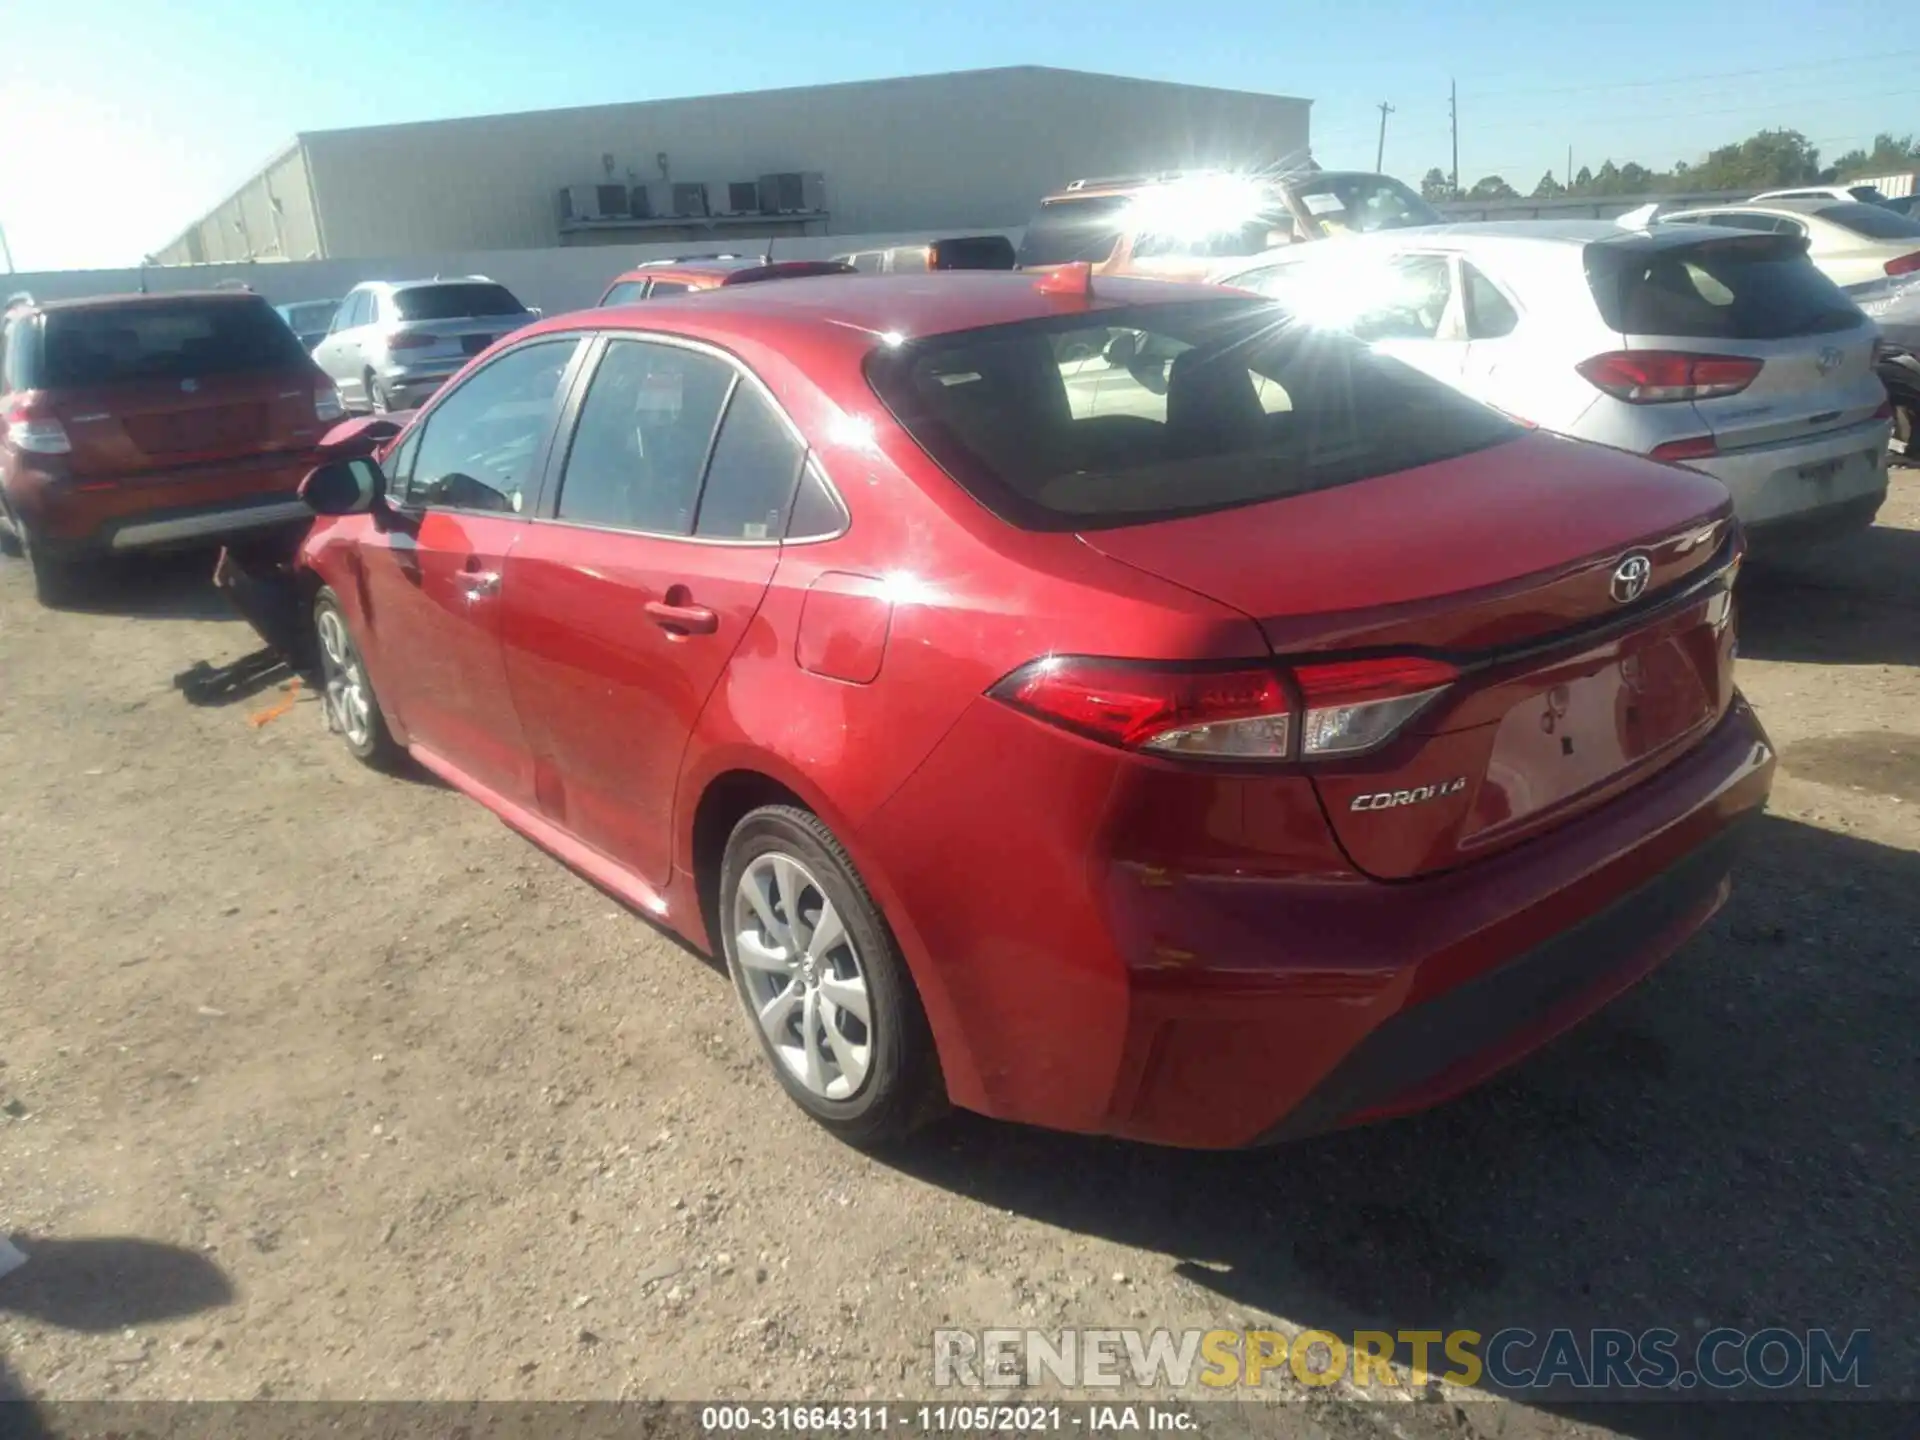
<point>657,279</point>
<point>1216,736</point>
<point>136,422</point>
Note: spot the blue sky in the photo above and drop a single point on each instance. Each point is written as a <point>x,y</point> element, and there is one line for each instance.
<point>121,120</point>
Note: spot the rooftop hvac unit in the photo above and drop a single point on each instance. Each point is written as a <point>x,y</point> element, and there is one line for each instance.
<point>689,197</point>
<point>594,202</point>
<point>743,197</point>
<point>792,192</point>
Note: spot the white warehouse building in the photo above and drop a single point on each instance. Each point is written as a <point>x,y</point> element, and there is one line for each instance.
<point>972,149</point>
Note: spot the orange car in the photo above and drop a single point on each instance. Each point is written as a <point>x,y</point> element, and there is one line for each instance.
<point>1181,224</point>
<point>682,275</point>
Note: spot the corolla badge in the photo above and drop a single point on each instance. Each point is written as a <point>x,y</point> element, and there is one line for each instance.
<point>1830,359</point>
<point>1630,577</point>
<point>1418,795</point>
<point>189,385</point>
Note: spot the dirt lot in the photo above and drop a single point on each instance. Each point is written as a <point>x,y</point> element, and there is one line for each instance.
<point>315,1083</point>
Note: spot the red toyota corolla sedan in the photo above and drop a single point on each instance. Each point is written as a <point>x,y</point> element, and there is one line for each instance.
<point>1112,708</point>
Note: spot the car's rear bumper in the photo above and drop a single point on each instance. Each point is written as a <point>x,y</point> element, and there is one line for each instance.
<point>1812,527</point>
<point>1780,483</point>
<point>1316,1005</point>
<point>71,518</point>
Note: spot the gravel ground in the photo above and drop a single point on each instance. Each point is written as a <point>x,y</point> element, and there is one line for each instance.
<point>319,1084</point>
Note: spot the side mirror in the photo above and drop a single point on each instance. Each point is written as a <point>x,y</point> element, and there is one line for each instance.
<point>343,487</point>
<point>1122,349</point>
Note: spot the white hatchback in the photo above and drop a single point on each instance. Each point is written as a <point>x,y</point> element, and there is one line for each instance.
<point>1724,351</point>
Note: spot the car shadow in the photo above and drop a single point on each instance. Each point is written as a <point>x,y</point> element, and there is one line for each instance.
<point>1855,601</point>
<point>171,586</point>
<point>1728,1144</point>
<point>203,684</point>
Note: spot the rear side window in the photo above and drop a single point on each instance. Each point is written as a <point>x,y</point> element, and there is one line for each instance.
<point>455,301</point>
<point>1175,409</point>
<point>750,480</point>
<point>1875,222</point>
<point>164,340</point>
<point>1489,313</point>
<point>1063,231</point>
<point>625,293</point>
<point>643,438</point>
<point>1748,287</point>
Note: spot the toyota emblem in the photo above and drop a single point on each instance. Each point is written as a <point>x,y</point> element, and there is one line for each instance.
<point>1630,578</point>
<point>1829,361</point>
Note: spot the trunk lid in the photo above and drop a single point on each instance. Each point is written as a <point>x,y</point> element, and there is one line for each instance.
<point>1503,562</point>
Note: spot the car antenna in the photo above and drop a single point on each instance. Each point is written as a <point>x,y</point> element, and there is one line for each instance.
<point>767,259</point>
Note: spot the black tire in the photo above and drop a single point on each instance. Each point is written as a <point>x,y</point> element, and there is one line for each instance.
<point>902,1088</point>
<point>1906,429</point>
<point>10,531</point>
<point>375,746</point>
<point>56,583</point>
<point>377,400</point>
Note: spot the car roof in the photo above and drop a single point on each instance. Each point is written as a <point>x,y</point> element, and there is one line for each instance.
<point>1105,187</point>
<point>116,302</point>
<point>427,283</point>
<point>873,306</point>
<point>1813,205</point>
<point>1476,233</point>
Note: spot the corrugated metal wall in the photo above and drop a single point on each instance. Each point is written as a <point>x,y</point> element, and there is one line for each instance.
<point>271,217</point>
<point>974,148</point>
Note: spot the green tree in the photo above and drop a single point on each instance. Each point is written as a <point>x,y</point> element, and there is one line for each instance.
<point>1434,185</point>
<point>1890,155</point>
<point>1769,159</point>
<point>1582,182</point>
<point>1492,187</point>
<point>1549,187</point>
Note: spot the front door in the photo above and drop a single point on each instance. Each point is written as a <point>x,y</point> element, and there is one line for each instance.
<point>462,485</point>
<point>624,607</point>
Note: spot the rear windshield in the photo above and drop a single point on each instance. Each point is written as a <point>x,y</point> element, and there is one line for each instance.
<point>1731,287</point>
<point>164,340</point>
<point>455,302</point>
<point>1876,222</point>
<point>1074,228</point>
<point>1363,203</point>
<point>1130,415</point>
<point>973,252</point>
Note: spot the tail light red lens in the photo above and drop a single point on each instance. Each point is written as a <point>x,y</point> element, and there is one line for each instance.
<point>1341,708</point>
<point>1905,265</point>
<point>35,432</point>
<point>411,340</point>
<point>1655,377</point>
<point>1694,447</point>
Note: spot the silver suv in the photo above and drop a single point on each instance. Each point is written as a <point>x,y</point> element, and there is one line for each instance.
<point>1725,351</point>
<point>393,343</point>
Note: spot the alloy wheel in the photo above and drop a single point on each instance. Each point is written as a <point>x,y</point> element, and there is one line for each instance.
<point>803,976</point>
<point>349,703</point>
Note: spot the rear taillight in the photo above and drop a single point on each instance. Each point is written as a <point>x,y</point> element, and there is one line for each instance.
<point>1885,412</point>
<point>1905,265</point>
<point>1357,705</point>
<point>1253,713</point>
<point>327,406</point>
<point>35,433</point>
<point>1653,377</point>
<point>1694,447</point>
<point>411,340</point>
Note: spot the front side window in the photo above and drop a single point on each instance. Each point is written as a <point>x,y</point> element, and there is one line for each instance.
<point>1190,407</point>
<point>481,441</point>
<point>1413,302</point>
<point>642,441</point>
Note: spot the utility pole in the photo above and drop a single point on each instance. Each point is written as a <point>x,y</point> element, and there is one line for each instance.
<point>6,249</point>
<point>1569,169</point>
<point>1380,153</point>
<point>1453,119</point>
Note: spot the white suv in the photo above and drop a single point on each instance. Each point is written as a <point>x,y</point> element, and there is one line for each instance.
<point>393,343</point>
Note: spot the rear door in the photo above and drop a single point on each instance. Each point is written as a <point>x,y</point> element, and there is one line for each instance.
<point>625,605</point>
<point>1750,297</point>
<point>341,353</point>
<point>170,387</point>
